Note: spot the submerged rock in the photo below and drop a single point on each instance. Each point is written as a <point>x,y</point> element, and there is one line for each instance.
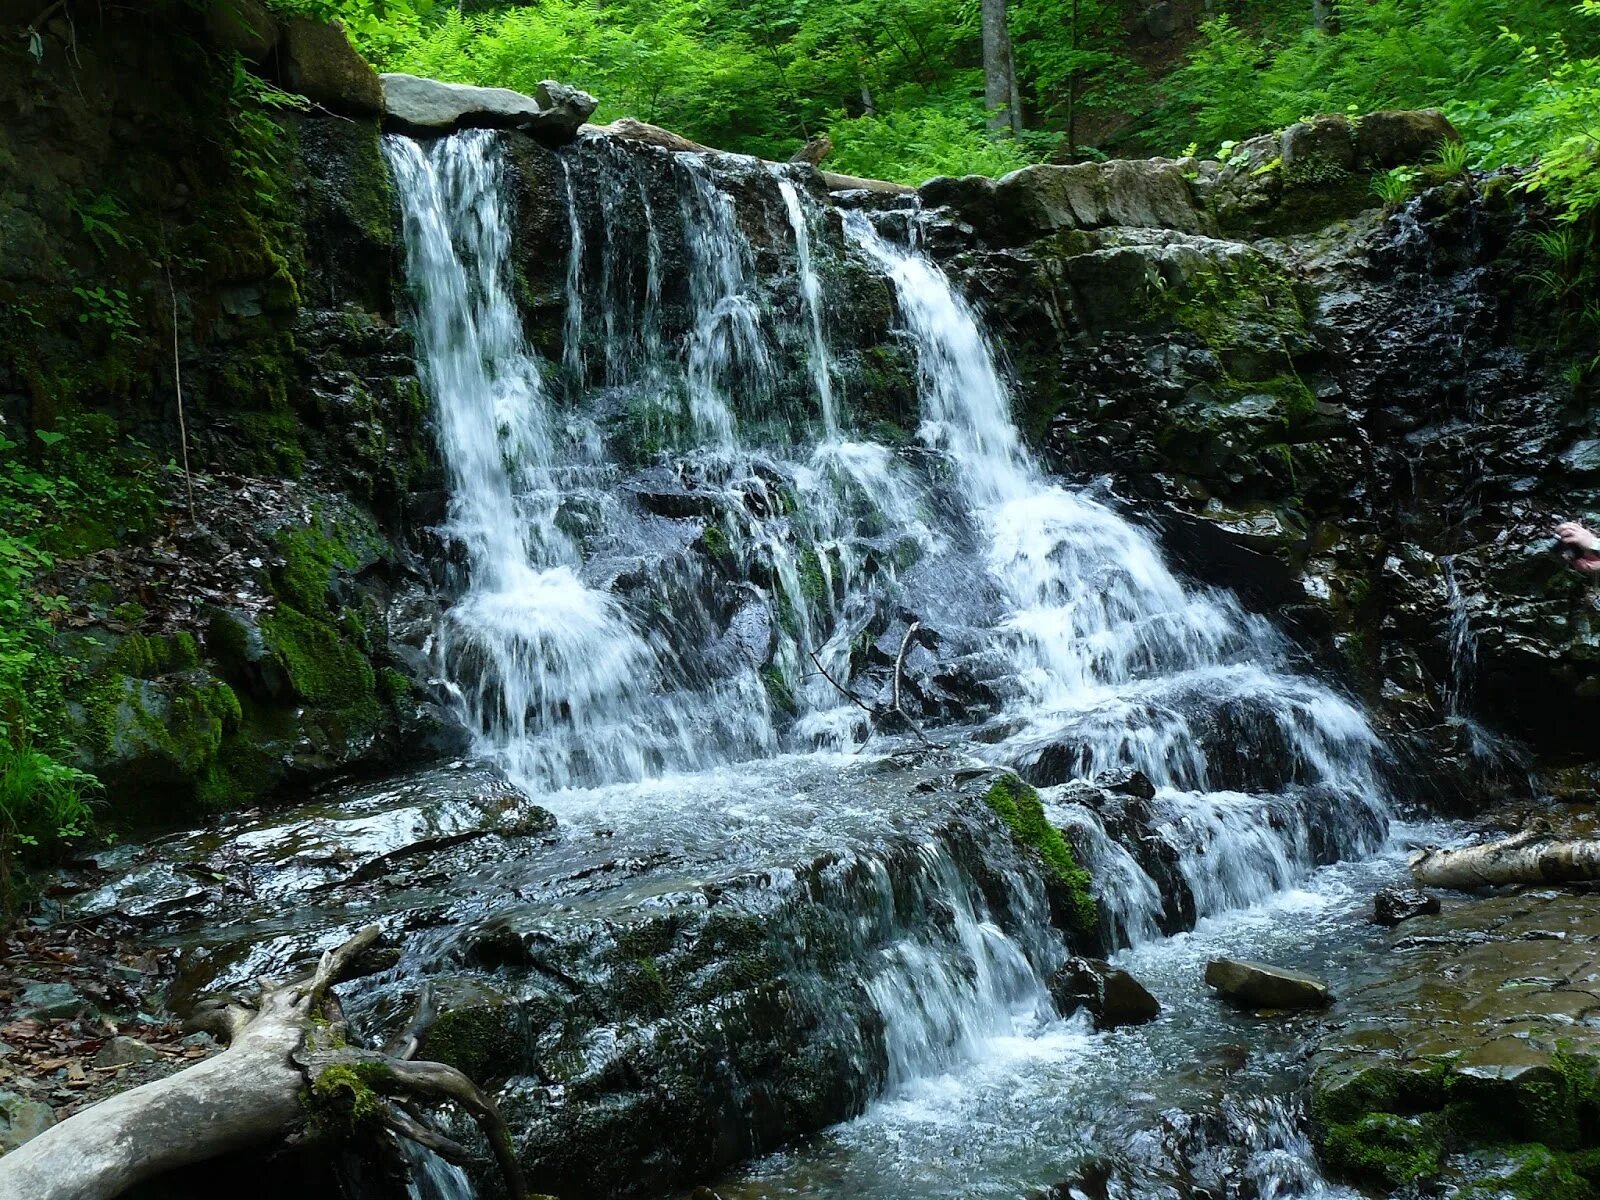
<point>553,114</point>
<point>1112,995</point>
<point>1257,985</point>
<point>1395,904</point>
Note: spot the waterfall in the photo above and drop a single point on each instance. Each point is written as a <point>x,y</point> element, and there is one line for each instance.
<point>551,671</point>
<point>811,293</point>
<point>663,588</point>
<point>1112,661</point>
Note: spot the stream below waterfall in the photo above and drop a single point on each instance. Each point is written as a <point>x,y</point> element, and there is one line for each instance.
<point>691,575</point>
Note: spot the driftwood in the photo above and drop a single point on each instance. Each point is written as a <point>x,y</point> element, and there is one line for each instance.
<point>289,1047</point>
<point>1535,855</point>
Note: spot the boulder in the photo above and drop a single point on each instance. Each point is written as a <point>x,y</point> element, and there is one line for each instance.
<point>1147,194</point>
<point>317,60</point>
<point>1257,985</point>
<point>553,115</point>
<point>50,1001</point>
<point>1321,150</point>
<point>1111,995</point>
<point>1395,137</point>
<point>1126,782</point>
<point>244,27</point>
<point>121,1050</point>
<point>21,1119</point>
<point>1394,904</point>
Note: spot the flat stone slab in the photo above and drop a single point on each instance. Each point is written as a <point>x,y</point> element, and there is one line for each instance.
<point>553,114</point>
<point>1485,1034</point>
<point>1258,985</point>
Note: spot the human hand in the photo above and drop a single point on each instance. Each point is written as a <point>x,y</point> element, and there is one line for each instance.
<point>1573,534</point>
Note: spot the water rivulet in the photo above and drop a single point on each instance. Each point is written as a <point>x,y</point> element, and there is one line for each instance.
<point>756,588</point>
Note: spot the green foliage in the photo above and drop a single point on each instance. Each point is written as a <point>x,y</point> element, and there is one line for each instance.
<point>917,144</point>
<point>1019,806</point>
<point>1395,186</point>
<point>1528,94</point>
<point>75,489</point>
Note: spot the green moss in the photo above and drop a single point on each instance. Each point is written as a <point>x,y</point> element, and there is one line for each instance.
<point>1535,1172</point>
<point>1385,1149</point>
<point>642,989</point>
<point>715,541</point>
<point>1244,302</point>
<point>312,552</point>
<point>778,692</point>
<point>345,1100</point>
<point>483,1041</point>
<point>1019,806</point>
<point>321,666</point>
<point>394,685</point>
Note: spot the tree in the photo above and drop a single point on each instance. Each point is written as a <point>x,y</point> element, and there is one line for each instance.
<point>1000,93</point>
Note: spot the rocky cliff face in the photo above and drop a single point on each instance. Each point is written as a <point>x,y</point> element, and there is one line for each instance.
<point>191,252</point>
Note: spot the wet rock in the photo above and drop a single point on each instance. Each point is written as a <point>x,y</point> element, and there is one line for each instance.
<point>51,1001</point>
<point>121,1051</point>
<point>553,115</point>
<point>22,1119</point>
<point>1127,782</point>
<point>1112,995</point>
<point>1395,904</point>
<point>1394,138</point>
<point>1257,985</point>
<point>1480,1036</point>
<point>317,60</point>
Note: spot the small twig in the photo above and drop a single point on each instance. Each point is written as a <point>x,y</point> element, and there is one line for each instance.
<point>416,1131</point>
<point>177,383</point>
<point>841,689</point>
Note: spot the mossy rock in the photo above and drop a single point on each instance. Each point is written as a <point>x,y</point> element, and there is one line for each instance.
<point>1018,805</point>
<point>321,666</point>
<point>480,1033</point>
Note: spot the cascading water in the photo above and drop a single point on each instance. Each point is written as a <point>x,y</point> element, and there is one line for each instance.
<point>706,604</point>
<point>551,671</point>
<point>1112,662</point>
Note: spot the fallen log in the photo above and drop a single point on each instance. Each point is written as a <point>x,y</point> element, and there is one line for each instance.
<point>1535,855</point>
<point>287,1071</point>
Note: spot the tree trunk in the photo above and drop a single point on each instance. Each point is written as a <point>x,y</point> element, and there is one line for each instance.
<point>247,1096</point>
<point>999,73</point>
<point>1534,856</point>
<point>1322,17</point>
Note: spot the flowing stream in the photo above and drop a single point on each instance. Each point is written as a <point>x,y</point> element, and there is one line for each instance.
<point>681,574</point>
